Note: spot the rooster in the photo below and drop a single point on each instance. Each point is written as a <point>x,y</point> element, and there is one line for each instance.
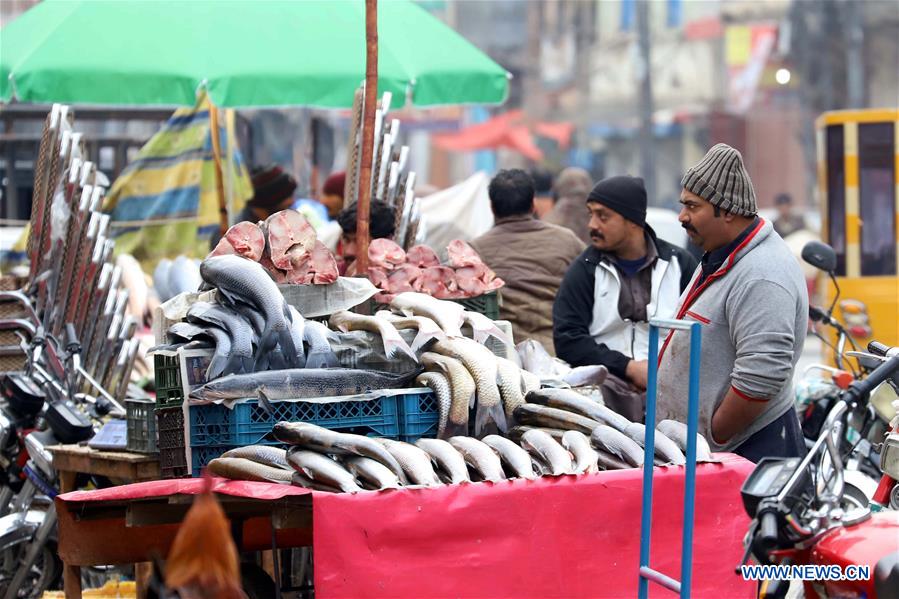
<point>203,561</point>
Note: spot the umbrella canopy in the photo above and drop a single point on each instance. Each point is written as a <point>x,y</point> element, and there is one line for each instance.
<point>243,52</point>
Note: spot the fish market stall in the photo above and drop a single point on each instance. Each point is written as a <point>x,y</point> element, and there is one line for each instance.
<point>572,535</point>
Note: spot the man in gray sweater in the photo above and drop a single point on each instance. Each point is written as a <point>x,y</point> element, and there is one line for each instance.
<point>750,296</point>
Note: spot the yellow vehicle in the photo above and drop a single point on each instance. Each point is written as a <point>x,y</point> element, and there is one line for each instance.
<point>858,177</point>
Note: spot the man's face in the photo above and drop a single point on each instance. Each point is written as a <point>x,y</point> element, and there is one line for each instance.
<point>697,217</point>
<point>348,243</point>
<point>784,209</point>
<point>608,229</point>
<point>333,203</point>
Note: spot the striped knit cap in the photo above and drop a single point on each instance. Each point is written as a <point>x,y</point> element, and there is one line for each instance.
<point>721,179</point>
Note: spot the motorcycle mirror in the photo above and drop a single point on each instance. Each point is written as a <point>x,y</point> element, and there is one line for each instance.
<point>820,255</point>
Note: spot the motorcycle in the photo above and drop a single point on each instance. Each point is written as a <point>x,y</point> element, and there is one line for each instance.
<point>800,525</point>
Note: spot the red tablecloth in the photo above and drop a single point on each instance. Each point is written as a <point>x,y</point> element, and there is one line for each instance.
<point>553,537</point>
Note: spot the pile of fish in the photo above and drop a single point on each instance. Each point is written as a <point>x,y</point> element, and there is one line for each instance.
<point>395,271</point>
<point>286,246</point>
<point>618,441</point>
<point>174,277</point>
<point>73,278</point>
<point>326,460</point>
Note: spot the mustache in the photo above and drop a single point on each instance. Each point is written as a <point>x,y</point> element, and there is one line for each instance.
<point>596,235</point>
<point>689,227</point>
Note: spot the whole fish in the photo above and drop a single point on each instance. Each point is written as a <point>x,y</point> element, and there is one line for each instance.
<point>261,454</point>
<point>300,383</point>
<point>516,460</point>
<point>222,355</point>
<point>244,469</point>
<point>161,280</point>
<point>322,469</point>
<point>481,364</point>
<point>320,354</point>
<point>572,401</point>
<point>371,474</point>
<point>393,342</point>
<point>479,457</point>
<point>240,360</point>
<point>297,332</point>
<point>441,388</point>
<point>607,461</point>
<point>665,449</point>
<point>249,312</point>
<point>516,432</point>
<point>463,391</point>
<point>612,441</point>
<point>449,463</point>
<point>509,382</point>
<point>547,451</point>
<point>537,415</point>
<point>185,331</point>
<point>299,479</point>
<point>416,463</point>
<point>583,376</point>
<point>183,276</point>
<point>483,328</point>
<point>317,438</point>
<point>237,277</point>
<point>448,315</point>
<point>677,432</point>
<point>529,382</point>
<point>586,459</point>
<point>427,328</point>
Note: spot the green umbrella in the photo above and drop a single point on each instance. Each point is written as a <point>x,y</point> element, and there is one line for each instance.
<point>244,52</point>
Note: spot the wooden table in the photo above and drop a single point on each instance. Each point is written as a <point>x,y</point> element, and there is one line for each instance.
<point>122,467</point>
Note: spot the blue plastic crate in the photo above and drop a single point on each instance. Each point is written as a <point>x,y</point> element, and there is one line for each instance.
<point>418,415</point>
<point>391,415</point>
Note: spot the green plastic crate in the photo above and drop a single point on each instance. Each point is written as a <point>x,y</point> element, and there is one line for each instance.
<point>140,416</point>
<point>167,370</point>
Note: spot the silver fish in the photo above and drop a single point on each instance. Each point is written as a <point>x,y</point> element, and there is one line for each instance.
<point>320,354</point>
<point>415,461</point>
<point>322,469</point>
<point>529,382</point>
<point>509,382</point>
<point>609,440</point>
<point>393,342</point>
<point>607,461</point>
<point>572,401</point>
<point>371,474</point>
<point>448,315</point>
<point>262,454</point>
<point>317,438</point>
<point>481,364</point>
<point>441,388</point>
<point>222,354</point>
<point>516,432</point>
<point>516,460</point>
<point>449,463</point>
<point>677,432</point>
<point>299,479</point>
<point>237,277</point>
<point>665,449</point>
<point>585,457</point>
<point>427,328</point>
<point>185,331</point>
<point>241,334</point>
<point>547,451</point>
<point>463,391</point>
<point>244,469</point>
<point>483,328</point>
<point>480,457</point>
<point>300,383</point>
<point>537,415</point>
<point>297,331</point>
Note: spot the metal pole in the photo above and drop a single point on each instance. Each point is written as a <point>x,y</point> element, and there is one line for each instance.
<point>855,59</point>
<point>217,162</point>
<point>649,451</point>
<point>368,136</point>
<point>644,75</point>
<point>686,573</point>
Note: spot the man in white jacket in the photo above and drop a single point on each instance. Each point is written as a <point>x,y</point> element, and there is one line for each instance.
<point>626,277</point>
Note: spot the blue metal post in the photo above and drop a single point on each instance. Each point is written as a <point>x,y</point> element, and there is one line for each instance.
<point>646,517</point>
<point>690,484</point>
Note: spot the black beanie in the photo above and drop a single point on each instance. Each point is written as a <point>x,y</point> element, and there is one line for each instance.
<point>625,195</point>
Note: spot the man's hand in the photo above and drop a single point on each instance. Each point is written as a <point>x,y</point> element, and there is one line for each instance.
<point>637,372</point>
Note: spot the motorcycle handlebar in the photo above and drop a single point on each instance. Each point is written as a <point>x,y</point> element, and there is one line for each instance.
<point>859,389</point>
<point>880,349</point>
<point>768,530</point>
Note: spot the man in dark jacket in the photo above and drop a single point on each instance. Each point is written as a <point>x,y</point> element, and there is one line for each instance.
<point>626,277</point>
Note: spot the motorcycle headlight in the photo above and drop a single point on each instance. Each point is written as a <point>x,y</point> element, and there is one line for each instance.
<point>5,429</point>
<point>889,456</point>
<point>882,398</point>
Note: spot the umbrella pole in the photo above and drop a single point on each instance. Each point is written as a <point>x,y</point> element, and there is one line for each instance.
<point>368,136</point>
<point>217,162</point>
